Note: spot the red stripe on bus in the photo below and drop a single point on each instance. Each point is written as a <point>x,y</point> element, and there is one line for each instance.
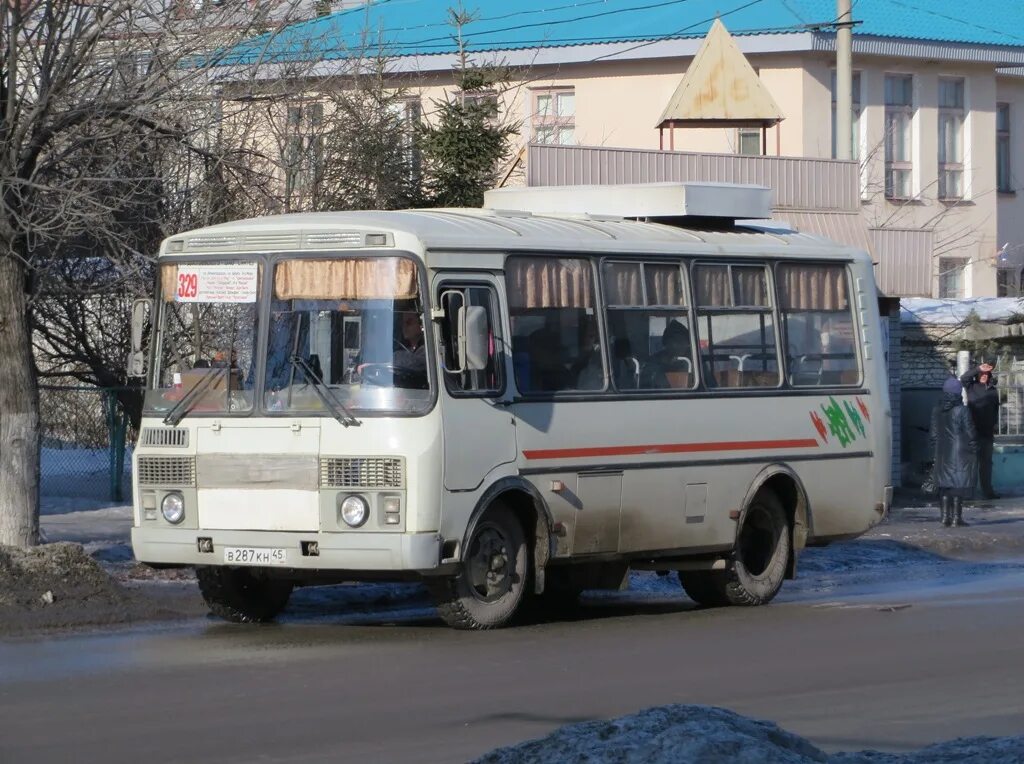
<point>669,448</point>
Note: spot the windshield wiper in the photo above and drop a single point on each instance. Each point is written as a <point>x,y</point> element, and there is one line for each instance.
<point>191,396</point>
<point>324,393</point>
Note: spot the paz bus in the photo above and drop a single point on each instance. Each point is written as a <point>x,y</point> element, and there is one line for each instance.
<point>512,404</point>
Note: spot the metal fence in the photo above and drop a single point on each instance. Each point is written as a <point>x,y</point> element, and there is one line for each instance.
<point>1010,376</point>
<point>85,437</point>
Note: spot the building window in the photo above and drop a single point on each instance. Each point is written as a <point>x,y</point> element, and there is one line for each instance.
<point>1003,182</point>
<point>554,116</point>
<point>303,153</point>
<point>749,141</point>
<point>899,117</point>
<point>951,277</point>
<point>856,116</point>
<point>951,138</point>
<point>408,112</point>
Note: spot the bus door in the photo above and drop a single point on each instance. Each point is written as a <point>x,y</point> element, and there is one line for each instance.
<point>479,432</point>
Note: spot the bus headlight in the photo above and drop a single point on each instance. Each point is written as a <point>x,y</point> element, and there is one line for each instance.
<point>354,510</point>
<point>173,508</point>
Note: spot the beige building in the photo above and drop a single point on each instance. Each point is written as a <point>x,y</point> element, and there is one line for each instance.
<point>938,102</point>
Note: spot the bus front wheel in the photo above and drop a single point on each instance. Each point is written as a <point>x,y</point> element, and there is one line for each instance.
<point>759,561</point>
<point>242,596</point>
<point>490,587</point>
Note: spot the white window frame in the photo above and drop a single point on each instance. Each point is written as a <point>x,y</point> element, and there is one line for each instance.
<point>746,133</point>
<point>953,277</point>
<point>952,175</point>
<point>858,112</point>
<point>561,127</point>
<point>1004,181</point>
<point>903,166</point>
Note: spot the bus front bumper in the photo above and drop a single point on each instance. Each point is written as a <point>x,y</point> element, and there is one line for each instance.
<point>384,552</point>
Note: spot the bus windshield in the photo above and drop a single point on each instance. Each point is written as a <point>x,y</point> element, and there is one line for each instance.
<point>347,331</point>
<point>206,338</point>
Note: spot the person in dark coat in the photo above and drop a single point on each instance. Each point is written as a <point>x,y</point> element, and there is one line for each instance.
<point>983,403</point>
<point>954,443</point>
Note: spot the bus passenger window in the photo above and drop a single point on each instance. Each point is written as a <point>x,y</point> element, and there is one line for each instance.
<point>817,322</point>
<point>736,325</point>
<point>648,326</point>
<point>556,342</point>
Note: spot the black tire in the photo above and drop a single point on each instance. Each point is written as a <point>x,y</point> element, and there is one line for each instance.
<point>759,560</point>
<point>490,587</point>
<point>240,595</point>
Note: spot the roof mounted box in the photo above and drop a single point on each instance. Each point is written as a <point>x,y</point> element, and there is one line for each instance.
<point>641,200</point>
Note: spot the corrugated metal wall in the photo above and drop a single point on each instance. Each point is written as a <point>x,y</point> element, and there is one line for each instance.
<point>799,183</point>
<point>904,260</point>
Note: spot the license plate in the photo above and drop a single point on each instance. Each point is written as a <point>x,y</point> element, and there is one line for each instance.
<point>247,555</point>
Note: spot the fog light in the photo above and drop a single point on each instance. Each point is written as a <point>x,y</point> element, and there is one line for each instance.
<point>354,510</point>
<point>173,508</point>
<point>392,506</point>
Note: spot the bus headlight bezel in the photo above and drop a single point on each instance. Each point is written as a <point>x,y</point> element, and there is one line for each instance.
<point>172,507</point>
<point>353,510</point>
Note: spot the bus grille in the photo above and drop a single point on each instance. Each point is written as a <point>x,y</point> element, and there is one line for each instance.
<point>361,472</point>
<point>164,436</point>
<point>167,470</point>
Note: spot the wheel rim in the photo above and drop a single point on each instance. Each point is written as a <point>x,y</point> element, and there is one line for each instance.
<point>758,540</point>
<point>490,567</point>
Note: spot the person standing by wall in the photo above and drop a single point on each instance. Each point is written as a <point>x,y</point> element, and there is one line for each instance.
<point>954,443</point>
<point>983,403</point>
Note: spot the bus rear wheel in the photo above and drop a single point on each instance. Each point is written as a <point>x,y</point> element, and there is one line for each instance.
<point>490,588</point>
<point>759,561</point>
<point>242,596</point>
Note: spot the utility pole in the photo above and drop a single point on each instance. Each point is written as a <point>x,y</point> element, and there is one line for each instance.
<point>844,80</point>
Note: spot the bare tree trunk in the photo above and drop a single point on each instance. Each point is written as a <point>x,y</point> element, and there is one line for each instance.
<point>19,414</point>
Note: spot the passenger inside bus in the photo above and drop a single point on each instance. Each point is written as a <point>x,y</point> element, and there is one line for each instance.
<point>588,370</point>
<point>672,366</point>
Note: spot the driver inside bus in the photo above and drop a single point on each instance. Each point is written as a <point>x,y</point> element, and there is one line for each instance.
<point>410,356</point>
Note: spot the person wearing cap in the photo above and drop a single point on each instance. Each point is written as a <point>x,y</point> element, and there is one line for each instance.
<point>954,445</point>
<point>983,403</point>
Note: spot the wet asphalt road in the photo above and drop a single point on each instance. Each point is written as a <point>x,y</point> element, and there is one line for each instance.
<point>851,673</point>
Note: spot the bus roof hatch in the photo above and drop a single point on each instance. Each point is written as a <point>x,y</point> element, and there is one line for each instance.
<point>672,202</point>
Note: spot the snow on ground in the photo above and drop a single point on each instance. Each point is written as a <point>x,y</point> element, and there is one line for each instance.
<point>910,549</point>
<point>925,310</point>
<point>689,734</point>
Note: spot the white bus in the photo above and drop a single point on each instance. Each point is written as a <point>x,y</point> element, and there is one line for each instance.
<point>509,404</point>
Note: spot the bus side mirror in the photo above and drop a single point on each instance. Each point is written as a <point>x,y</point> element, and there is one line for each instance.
<point>137,357</point>
<point>473,337</point>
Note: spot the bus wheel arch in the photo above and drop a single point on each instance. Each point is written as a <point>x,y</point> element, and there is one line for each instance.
<point>788,487</point>
<point>763,553</point>
<point>511,519</point>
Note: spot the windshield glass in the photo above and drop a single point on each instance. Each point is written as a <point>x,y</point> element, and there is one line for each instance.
<point>354,328</point>
<point>206,337</point>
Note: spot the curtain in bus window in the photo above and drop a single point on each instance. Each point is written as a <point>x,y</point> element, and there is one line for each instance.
<point>387,278</point>
<point>622,284</point>
<point>750,287</point>
<point>813,287</point>
<point>664,285</point>
<point>547,282</point>
<point>712,286</point>
<point>821,344</point>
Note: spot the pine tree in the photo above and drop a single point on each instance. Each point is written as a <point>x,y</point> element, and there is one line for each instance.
<point>463,149</point>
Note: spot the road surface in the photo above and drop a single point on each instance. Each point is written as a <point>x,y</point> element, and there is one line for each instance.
<point>897,668</point>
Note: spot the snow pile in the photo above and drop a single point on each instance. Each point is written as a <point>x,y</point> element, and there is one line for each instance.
<point>924,310</point>
<point>688,734</point>
<point>55,586</point>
